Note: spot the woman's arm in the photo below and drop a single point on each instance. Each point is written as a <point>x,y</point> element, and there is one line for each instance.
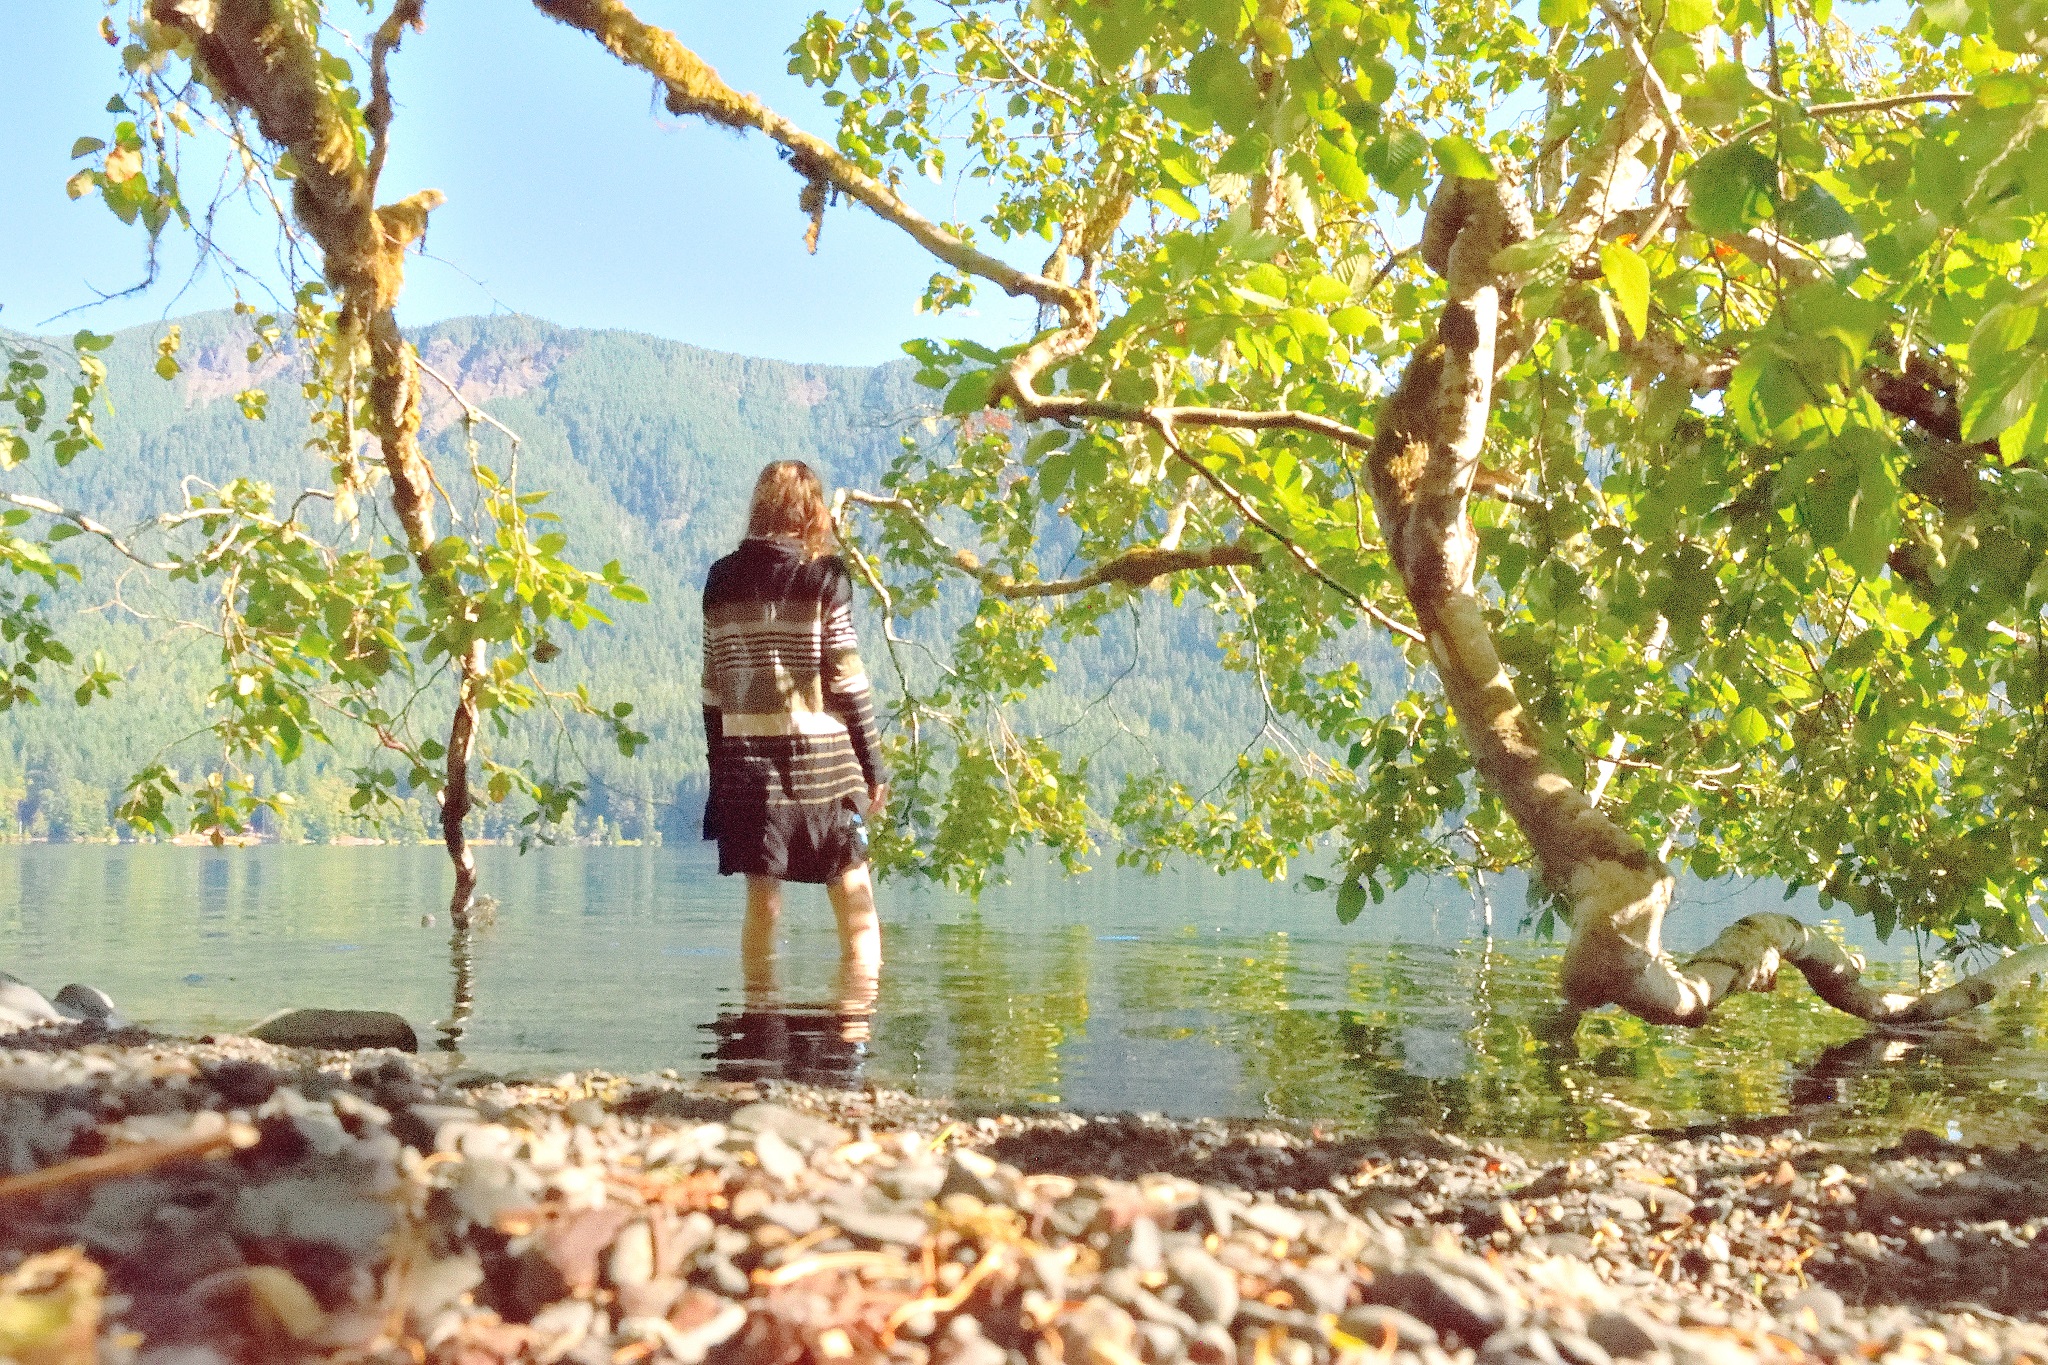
<point>847,694</point>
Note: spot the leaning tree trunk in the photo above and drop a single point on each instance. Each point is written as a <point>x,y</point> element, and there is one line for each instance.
<point>1426,451</point>
<point>254,59</point>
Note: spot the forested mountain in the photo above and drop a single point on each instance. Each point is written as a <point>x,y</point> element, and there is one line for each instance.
<point>650,448</point>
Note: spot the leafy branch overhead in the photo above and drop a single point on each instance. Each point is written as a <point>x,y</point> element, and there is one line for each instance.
<point>1715,445</point>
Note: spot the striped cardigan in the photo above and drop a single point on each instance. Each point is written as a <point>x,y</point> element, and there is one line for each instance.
<point>788,715</point>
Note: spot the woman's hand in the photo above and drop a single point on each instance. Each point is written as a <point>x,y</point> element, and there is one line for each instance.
<point>878,799</point>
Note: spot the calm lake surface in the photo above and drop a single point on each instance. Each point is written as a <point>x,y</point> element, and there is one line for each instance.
<point>1186,994</point>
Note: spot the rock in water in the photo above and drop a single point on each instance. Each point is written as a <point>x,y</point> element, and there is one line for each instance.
<point>23,1006</point>
<point>83,1002</point>
<point>338,1030</point>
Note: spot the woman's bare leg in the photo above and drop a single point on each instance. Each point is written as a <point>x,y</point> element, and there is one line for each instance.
<point>860,929</point>
<point>852,894</point>
<point>757,938</point>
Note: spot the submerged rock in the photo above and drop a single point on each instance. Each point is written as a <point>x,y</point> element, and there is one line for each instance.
<point>337,1030</point>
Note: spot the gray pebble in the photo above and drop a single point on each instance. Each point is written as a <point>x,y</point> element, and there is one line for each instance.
<point>1371,1322</point>
<point>692,1345</point>
<point>800,1131</point>
<point>962,1343</point>
<point>914,1182</point>
<point>889,1229</point>
<point>1274,1221</point>
<point>631,1260</point>
<point>1162,1344</point>
<point>24,1007</point>
<point>1137,1246</point>
<point>795,1216</point>
<point>1824,1303</point>
<point>729,1278</point>
<point>1212,1292</point>
<point>781,1160</point>
<point>1622,1334</point>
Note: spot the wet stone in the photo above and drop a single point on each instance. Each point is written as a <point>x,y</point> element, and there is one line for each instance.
<point>1448,1302</point>
<point>970,1172</point>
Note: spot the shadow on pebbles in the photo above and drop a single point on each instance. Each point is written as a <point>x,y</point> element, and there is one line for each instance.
<point>176,1203</point>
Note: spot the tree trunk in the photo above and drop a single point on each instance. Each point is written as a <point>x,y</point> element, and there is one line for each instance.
<point>256,59</point>
<point>1426,450</point>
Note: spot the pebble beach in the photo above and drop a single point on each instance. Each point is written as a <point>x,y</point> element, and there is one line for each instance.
<point>179,1202</point>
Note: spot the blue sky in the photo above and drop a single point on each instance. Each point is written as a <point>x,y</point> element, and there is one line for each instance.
<point>571,195</point>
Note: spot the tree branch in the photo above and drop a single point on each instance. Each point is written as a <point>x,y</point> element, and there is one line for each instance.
<point>694,88</point>
<point>1138,567</point>
<point>1859,107</point>
<point>86,524</point>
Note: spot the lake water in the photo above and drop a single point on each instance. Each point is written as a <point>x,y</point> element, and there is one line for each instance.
<point>1185,994</point>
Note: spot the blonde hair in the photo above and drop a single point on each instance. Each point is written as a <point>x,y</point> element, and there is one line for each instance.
<point>789,500</point>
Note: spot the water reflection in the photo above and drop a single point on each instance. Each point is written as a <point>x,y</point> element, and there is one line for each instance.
<point>1187,996</point>
<point>810,1044</point>
<point>813,1044</point>
<point>462,986</point>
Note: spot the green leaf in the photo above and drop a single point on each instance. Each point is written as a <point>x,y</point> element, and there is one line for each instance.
<point>1344,173</point>
<point>1873,516</point>
<point>86,146</point>
<point>1814,215</point>
<point>1460,158</point>
<point>1222,86</point>
<point>1562,13</point>
<point>1350,901</point>
<point>1176,202</point>
<point>1689,16</point>
<point>1998,90</point>
<point>969,392</point>
<point>1734,188</point>
<point>1628,275</point>
<point>1722,95</point>
<point>1749,728</point>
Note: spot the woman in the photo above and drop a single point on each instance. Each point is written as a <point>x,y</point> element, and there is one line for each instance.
<point>790,727</point>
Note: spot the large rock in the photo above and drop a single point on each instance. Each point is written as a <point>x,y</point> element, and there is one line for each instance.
<point>83,1003</point>
<point>22,1006</point>
<point>339,1030</point>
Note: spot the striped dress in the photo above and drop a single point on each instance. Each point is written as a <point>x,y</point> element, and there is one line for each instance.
<point>788,717</point>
